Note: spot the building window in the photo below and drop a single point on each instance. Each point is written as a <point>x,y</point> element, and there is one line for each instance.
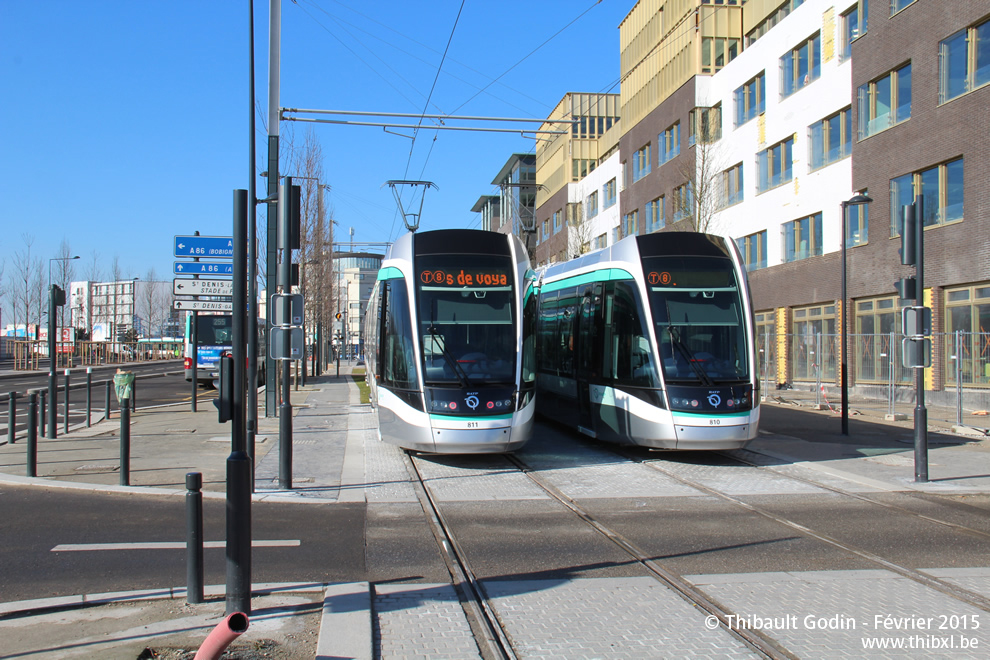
<point>774,165</point>
<point>615,235</point>
<point>670,143</point>
<point>732,185</point>
<point>809,356</point>
<point>964,62</point>
<point>641,163</point>
<point>877,319</point>
<point>599,242</point>
<point>654,215</point>
<point>803,238</point>
<point>751,99</point>
<point>857,224</point>
<point>705,124</point>
<point>592,204</point>
<point>753,249</point>
<point>897,5</point>
<point>608,194</point>
<point>766,344</point>
<point>942,187</point>
<point>885,101</point>
<point>782,11</point>
<point>851,21</point>
<point>967,311</point>
<point>683,200</point>
<point>630,223</point>
<point>801,66</point>
<point>557,224</point>
<point>831,139</point>
<point>717,52</point>
<point>581,167</point>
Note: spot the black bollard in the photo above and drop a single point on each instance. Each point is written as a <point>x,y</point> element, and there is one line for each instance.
<point>11,418</point>
<point>42,407</point>
<point>134,394</point>
<point>125,442</point>
<point>32,441</point>
<point>194,538</point>
<point>109,387</point>
<point>89,396</point>
<point>66,427</point>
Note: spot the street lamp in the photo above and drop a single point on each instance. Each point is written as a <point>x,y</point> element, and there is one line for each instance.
<point>858,200</point>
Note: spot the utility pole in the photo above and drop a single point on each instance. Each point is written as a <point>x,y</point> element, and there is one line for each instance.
<point>274,38</point>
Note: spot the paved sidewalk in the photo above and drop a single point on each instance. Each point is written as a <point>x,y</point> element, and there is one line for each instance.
<point>338,459</point>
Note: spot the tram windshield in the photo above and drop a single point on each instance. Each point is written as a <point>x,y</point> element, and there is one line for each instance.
<point>466,323</point>
<point>698,313</point>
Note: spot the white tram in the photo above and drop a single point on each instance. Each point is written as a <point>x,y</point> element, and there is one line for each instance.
<point>449,343</point>
<point>650,342</point>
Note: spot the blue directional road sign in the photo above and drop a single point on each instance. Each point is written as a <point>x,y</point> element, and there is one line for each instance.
<point>202,268</point>
<point>214,247</point>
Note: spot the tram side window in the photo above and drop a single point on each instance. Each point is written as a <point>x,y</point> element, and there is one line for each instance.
<point>546,331</point>
<point>627,357</point>
<point>567,314</point>
<point>529,340</point>
<point>398,361</point>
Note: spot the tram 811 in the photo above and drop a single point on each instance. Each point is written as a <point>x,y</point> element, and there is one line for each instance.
<point>650,342</point>
<point>449,331</point>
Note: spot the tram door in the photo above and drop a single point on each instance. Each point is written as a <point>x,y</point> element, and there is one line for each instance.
<point>588,349</point>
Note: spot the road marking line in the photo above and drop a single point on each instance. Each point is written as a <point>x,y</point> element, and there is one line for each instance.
<point>167,545</point>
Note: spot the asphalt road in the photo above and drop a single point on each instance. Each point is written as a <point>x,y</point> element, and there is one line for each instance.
<point>156,383</point>
<point>509,538</point>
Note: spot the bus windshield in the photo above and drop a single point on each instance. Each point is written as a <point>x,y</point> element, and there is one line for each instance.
<point>466,319</point>
<point>698,315</point>
<point>214,330</point>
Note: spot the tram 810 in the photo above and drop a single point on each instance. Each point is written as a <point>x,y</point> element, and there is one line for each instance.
<point>450,345</point>
<point>650,342</point>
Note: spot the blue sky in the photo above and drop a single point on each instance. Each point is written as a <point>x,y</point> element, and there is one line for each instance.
<point>126,123</point>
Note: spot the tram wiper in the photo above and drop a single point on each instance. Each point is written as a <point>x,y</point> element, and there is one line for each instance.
<point>686,353</point>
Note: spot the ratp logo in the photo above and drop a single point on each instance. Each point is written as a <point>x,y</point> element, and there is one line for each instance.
<point>472,402</point>
<point>714,400</point>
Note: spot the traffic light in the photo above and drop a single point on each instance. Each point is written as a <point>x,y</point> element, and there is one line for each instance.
<point>906,288</point>
<point>338,316</point>
<point>58,296</point>
<point>909,246</point>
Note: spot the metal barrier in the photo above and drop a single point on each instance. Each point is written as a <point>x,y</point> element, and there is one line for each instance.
<point>28,354</point>
<point>957,385</point>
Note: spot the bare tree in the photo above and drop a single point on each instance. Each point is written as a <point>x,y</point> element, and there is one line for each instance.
<point>579,230</point>
<point>93,272</point>
<point>64,272</point>
<point>22,291</point>
<point>702,195</point>
<point>151,305</point>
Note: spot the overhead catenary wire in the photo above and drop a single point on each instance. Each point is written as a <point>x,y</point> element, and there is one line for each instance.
<point>409,54</point>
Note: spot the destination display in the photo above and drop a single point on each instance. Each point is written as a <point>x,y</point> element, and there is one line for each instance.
<point>702,273</point>
<point>465,277</point>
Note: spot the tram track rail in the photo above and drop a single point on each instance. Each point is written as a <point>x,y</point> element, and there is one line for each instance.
<point>953,591</point>
<point>492,639</point>
<point>491,636</point>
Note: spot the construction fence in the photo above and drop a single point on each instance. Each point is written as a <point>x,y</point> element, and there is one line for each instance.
<point>29,355</point>
<point>957,384</point>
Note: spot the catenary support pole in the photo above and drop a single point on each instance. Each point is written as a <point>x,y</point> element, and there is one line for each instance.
<point>239,463</point>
